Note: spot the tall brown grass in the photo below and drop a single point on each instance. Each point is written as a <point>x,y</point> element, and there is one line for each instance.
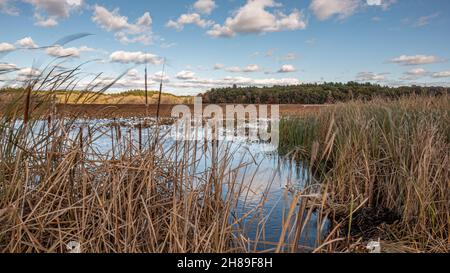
<point>145,195</point>
<point>381,157</point>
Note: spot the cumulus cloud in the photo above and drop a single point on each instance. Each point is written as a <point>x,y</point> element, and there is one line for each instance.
<point>59,51</point>
<point>125,32</point>
<point>186,75</point>
<point>5,47</point>
<point>135,57</point>
<point>371,76</point>
<point>48,12</point>
<point>325,9</point>
<point>416,59</point>
<point>287,68</point>
<point>189,18</point>
<point>254,17</point>
<point>442,74</point>
<point>27,42</point>
<point>205,6</point>
<point>113,21</point>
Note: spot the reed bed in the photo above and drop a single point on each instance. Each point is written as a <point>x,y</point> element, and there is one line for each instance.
<point>60,193</point>
<point>143,195</point>
<point>384,169</point>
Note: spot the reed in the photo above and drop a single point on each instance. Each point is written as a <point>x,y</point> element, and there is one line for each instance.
<point>384,167</point>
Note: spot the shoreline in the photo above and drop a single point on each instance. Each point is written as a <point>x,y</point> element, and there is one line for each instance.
<point>105,111</point>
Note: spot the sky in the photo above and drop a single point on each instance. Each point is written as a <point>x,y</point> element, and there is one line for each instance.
<point>217,43</point>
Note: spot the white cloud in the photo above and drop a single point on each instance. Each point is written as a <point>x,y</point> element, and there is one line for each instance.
<point>416,59</point>
<point>189,18</point>
<point>324,9</point>
<point>254,17</point>
<point>425,20</point>
<point>7,67</point>
<point>113,21</point>
<point>205,6</point>
<point>133,73</point>
<point>126,39</point>
<point>417,72</point>
<point>45,22</point>
<point>414,74</point>
<point>27,42</point>
<point>251,68</point>
<point>158,76</point>
<point>125,32</point>
<point>287,68</point>
<point>135,57</point>
<point>370,76</point>
<point>381,3</point>
<point>193,83</point>
<point>48,12</point>
<point>220,31</point>
<point>29,72</point>
<point>5,47</point>
<point>199,83</point>
<point>443,74</point>
<point>59,51</point>
<point>186,75</point>
<point>236,69</point>
<point>134,80</point>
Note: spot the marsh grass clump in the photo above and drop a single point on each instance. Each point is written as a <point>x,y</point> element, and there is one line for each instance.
<point>139,202</point>
<point>382,156</point>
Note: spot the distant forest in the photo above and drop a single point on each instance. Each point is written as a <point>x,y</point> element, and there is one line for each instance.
<point>315,93</point>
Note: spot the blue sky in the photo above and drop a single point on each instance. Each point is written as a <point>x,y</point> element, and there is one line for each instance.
<point>218,43</point>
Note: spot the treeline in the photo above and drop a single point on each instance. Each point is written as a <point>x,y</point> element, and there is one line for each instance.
<point>315,93</point>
